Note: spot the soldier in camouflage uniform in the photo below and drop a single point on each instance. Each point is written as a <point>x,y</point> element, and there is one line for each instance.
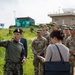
<point>66,32</point>
<point>15,55</point>
<point>70,43</point>
<point>45,33</point>
<point>54,26</point>
<point>39,46</point>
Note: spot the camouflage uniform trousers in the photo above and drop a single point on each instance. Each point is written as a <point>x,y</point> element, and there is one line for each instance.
<point>72,65</point>
<point>38,66</point>
<point>12,68</point>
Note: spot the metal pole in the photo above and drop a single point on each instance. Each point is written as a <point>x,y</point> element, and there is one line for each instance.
<point>14,16</point>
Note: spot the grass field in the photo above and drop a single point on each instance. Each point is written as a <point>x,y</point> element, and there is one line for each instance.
<point>28,66</point>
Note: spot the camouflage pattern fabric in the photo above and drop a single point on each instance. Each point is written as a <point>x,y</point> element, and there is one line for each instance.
<point>64,40</point>
<point>70,43</point>
<point>11,68</point>
<point>46,35</point>
<point>38,66</point>
<point>38,46</point>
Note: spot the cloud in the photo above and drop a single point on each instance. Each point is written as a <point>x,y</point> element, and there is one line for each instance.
<point>6,11</point>
<point>68,3</point>
<point>36,9</point>
<point>4,4</point>
<point>9,1</point>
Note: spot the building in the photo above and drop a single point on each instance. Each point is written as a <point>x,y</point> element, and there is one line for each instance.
<point>67,17</point>
<point>24,21</point>
<point>1,25</point>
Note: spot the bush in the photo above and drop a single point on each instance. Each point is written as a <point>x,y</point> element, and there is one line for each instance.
<point>31,29</point>
<point>10,31</point>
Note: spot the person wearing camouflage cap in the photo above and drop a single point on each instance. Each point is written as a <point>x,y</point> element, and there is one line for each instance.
<point>63,26</point>
<point>45,27</point>
<point>39,45</point>
<point>66,32</point>
<point>54,26</point>
<point>45,33</point>
<point>70,43</point>
<point>14,55</point>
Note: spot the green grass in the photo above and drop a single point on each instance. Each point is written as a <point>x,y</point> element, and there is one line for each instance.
<point>28,66</point>
<point>2,55</point>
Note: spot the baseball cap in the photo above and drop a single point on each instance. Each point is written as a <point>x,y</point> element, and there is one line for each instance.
<point>39,30</point>
<point>44,25</point>
<point>53,24</point>
<point>72,28</point>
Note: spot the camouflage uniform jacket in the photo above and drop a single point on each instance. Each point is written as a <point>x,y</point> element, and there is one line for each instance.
<point>39,45</point>
<point>64,40</point>
<point>46,35</point>
<point>70,42</point>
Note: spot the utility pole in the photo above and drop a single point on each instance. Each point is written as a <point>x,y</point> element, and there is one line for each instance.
<point>14,16</point>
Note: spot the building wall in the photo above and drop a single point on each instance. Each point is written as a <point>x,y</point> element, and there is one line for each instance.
<point>24,22</point>
<point>69,20</point>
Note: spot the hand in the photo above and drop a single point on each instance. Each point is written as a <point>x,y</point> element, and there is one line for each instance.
<point>41,58</point>
<point>71,58</point>
<point>24,61</point>
<point>38,54</point>
<point>72,51</point>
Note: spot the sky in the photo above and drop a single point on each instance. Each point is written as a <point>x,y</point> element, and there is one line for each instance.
<point>36,9</point>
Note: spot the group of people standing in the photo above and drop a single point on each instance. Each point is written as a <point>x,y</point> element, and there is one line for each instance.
<point>43,45</point>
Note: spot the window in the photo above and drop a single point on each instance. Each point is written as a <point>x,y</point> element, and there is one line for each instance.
<point>72,18</point>
<point>56,19</point>
<point>63,22</point>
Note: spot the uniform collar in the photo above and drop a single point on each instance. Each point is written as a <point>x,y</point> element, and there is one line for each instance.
<point>15,41</point>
